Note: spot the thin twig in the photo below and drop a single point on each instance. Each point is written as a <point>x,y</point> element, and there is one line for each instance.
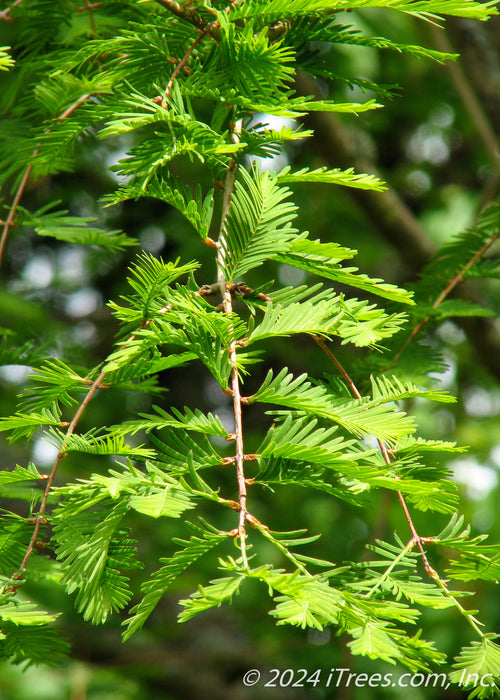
<point>416,539</point>
<point>24,180</point>
<point>89,9</point>
<point>448,289</point>
<point>383,449</point>
<point>390,568</point>
<point>5,14</point>
<point>191,16</point>
<point>13,209</point>
<point>60,456</point>
<point>181,65</point>
<point>39,520</point>
<point>466,613</point>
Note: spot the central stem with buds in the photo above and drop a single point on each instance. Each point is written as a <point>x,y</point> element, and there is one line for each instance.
<point>227,303</point>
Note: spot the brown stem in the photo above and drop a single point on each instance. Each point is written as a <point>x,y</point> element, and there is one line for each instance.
<point>446,291</point>
<point>239,453</point>
<point>181,65</point>
<point>60,456</point>
<point>13,209</point>
<point>24,181</point>
<point>5,14</point>
<point>227,304</point>
<point>383,449</point>
<point>39,520</point>
<point>322,344</point>
<point>89,8</point>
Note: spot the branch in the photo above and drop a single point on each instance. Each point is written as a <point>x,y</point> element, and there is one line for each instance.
<point>235,382</point>
<point>5,14</point>
<point>189,14</point>
<point>416,538</point>
<point>390,568</point>
<point>39,520</point>
<point>383,449</point>
<point>89,8</point>
<point>446,292</point>
<point>181,65</point>
<point>60,456</point>
<point>394,221</point>
<point>24,180</point>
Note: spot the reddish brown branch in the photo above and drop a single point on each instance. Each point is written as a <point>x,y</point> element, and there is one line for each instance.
<point>322,344</point>
<point>40,518</point>
<point>227,303</point>
<point>383,449</point>
<point>240,453</point>
<point>13,209</point>
<point>89,9</point>
<point>181,65</point>
<point>88,6</point>
<point>24,180</point>
<point>446,291</point>
<point>444,294</point>
<point>5,14</point>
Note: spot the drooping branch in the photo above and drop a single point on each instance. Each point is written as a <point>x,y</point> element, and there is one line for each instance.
<point>394,222</point>
<point>39,520</point>
<point>446,292</point>
<point>60,456</point>
<point>383,449</point>
<point>416,539</point>
<point>24,180</point>
<point>181,65</point>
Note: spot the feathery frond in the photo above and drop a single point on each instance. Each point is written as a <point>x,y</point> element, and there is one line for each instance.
<point>191,550</point>
<point>359,416</point>
<point>258,226</point>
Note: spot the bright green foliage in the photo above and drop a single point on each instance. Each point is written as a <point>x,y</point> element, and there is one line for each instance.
<point>192,549</point>
<point>172,191</point>
<point>281,8</point>
<point>28,644</point>
<point>359,416</point>
<point>479,663</point>
<point>74,229</point>
<point>258,224</point>
<point>325,435</point>
<point>461,257</point>
<point>6,62</point>
<point>24,425</point>
<point>322,258</point>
